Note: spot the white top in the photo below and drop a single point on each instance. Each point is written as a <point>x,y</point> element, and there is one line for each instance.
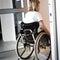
<point>32,16</point>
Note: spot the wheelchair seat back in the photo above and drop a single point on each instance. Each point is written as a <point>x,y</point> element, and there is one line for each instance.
<point>28,30</point>
<point>33,26</point>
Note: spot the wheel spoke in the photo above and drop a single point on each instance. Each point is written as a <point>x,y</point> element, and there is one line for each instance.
<point>23,52</point>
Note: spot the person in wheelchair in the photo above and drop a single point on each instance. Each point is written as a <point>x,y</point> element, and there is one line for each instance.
<point>33,18</point>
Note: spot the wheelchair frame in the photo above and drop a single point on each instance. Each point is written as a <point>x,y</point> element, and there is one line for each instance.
<point>35,44</point>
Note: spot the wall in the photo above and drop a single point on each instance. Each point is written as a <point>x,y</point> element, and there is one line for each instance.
<point>5,4</point>
<point>44,9</point>
<point>7,21</point>
<point>58,25</point>
<point>8,28</point>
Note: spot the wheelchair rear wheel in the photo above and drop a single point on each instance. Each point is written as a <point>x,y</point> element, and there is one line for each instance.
<point>24,49</point>
<point>42,46</point>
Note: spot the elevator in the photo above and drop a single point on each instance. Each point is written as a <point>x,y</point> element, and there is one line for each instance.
<point>50,12</point>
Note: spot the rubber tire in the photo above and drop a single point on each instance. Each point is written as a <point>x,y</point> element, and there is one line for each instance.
<point>18,50</point>
<point>38,38</point>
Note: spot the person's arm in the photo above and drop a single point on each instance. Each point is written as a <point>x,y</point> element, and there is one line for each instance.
<point>43,26</point>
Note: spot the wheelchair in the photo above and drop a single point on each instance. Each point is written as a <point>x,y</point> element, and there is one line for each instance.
<point>29,40</point>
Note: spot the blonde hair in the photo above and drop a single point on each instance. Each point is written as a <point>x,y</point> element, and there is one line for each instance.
<point>33,5</point>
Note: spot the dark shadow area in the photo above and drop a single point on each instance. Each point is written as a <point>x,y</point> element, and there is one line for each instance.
<point>0,31</point>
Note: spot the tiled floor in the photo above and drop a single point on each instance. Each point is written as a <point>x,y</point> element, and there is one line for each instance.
<point>6,46</point>
<point>8,51</point>
<point>13,56</point>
